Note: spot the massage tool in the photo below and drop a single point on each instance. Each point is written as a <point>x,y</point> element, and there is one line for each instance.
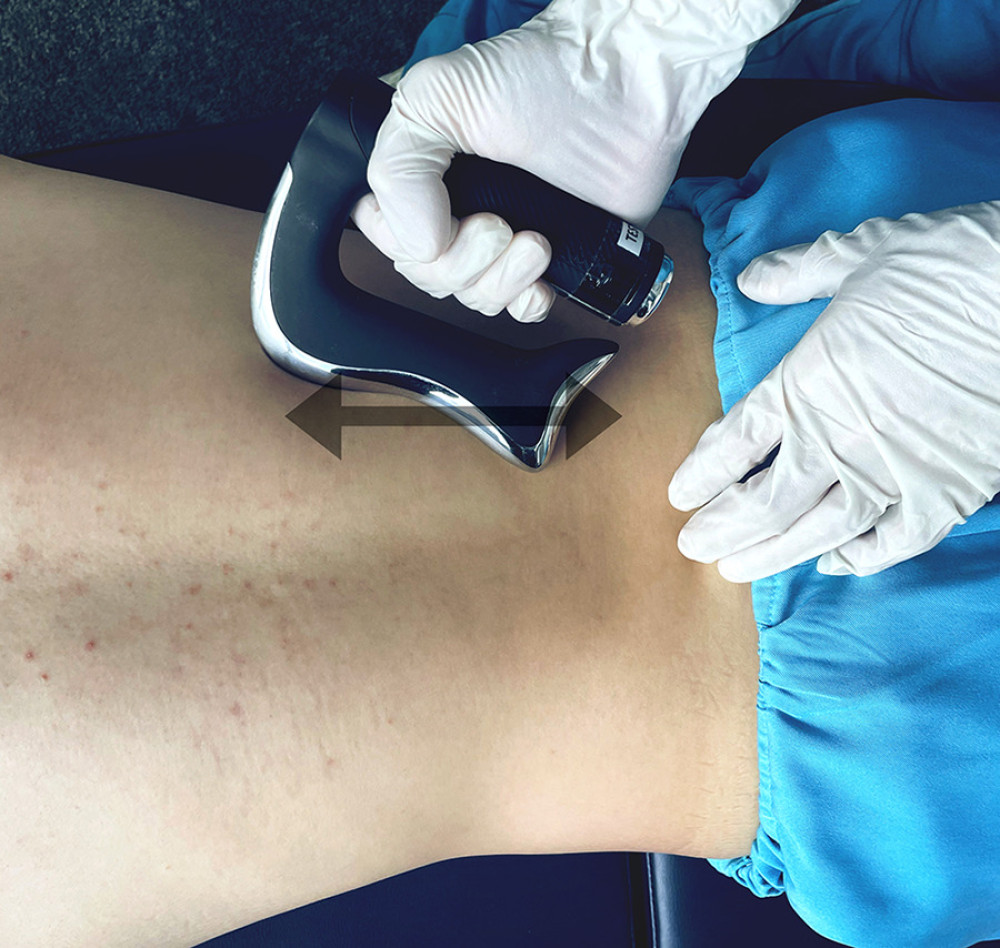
<point>314,323</point>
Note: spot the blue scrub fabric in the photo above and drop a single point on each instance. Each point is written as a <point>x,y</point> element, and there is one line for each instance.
<point>878,706</point>
<point>948,47</point>
<point>879,697</point>
<point>468,21</point>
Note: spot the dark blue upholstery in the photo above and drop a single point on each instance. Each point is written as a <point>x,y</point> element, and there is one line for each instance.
<point>578,900</point>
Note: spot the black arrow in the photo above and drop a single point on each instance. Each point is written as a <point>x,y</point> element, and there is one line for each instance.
<point>323,415</point>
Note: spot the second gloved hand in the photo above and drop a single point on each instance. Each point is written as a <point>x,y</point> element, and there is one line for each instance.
<point>597,97</point>
<point>887,411</point>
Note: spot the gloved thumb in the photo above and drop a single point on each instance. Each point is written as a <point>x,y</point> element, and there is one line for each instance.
<point>800,273</point>
<point>405,172</point>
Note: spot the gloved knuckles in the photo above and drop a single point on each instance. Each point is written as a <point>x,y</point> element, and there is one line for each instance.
<point>479,241</point>
<point>511,274</point>
<point>485,266</point>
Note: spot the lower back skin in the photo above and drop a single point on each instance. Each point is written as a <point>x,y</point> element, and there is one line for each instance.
<point>240,674</point>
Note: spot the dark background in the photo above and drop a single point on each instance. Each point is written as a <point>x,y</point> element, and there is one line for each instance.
<point>74,72</point>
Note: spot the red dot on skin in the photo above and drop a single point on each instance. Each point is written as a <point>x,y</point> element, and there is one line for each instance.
<point>45,676</point>
<point>91,645</point>
<point>236,710</point>
<point>227,568</point>
<point>190,625</point>
<point>332,582</point>
<point>99,509</point>
<point>247,584</point>
<point>195,589</point>
<point>30,656</point>
<point>8,576</point>
<point>309,583</point>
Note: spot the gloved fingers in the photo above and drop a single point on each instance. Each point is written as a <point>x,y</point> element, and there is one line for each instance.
<point>367,215</point>
<point>802,272</point>
<point>480,240</point>
<point>510,276</point>
<point>477,243</point>
<point>898,535</point>
<point>533,305</point>
<point>835,520</point>
<point>768,505</point>
<point>405,172</point>
<point>730,447</point>
<point>485,266</point>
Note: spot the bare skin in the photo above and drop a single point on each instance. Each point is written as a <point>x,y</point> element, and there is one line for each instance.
<point>240,675</point>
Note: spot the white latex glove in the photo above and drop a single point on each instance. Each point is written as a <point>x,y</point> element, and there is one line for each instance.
<point>887,410</point>
<point>597,97</point>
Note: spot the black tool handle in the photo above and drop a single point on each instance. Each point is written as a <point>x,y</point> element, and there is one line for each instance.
<point>600,261</point>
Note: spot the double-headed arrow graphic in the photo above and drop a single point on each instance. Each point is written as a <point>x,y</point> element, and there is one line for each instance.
<point>323,416</point>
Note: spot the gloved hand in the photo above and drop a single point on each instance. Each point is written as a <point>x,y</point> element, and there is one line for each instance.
<point>887,411</point>
<point>597,97</point>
